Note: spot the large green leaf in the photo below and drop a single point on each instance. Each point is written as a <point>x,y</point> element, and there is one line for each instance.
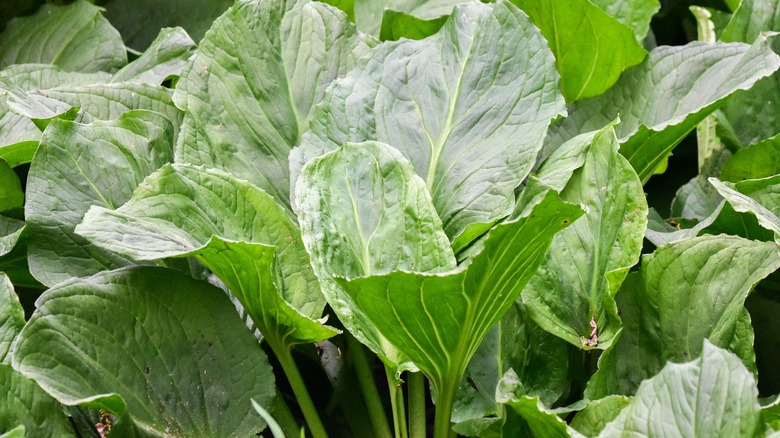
<point>758,161</point>
<point>572,293</point>
<point>469,108</point>
<point>364,211</point>
<point>75,37</point>
<point>25,403</point>
<point>11,317</point>
<point>168,350</point>
<point>166,57</point>
<point>253,82</point>
<point>139,21</point>
<point>232,227</point>
<point>661,100</point>
<point>635,14</point>
<point>538,358</point>
<point>714,395</point>
<point>439,320</point>
<point>591,48</point>
<point>77,166</point>
<point>662,308</point>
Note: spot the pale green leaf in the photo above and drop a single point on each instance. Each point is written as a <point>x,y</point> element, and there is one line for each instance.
<point>571,295</point>
<point>714,395</point>
<point>635,14</point>
<point>233,228</point>
<point>167,350</point>
<point>469,107</point>
<point>661,100</point>
<point>80,165</point>
<point>698,199</point>
<point>24,403</point>
<point>439,320</point>
<point>364,211</point>
<point>662,308</point>
<point>253,82</point>
<point>591,47</point>
<point>165,57</point>
<point>11,317</point>
<point>760,197</point>
<point>75,37</point>
<point>750,19</point>
<point>16,432</point>
<point>272,424</point>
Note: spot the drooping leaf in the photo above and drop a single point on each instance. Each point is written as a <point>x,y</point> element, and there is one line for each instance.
<point>166,350</point>
<point>11,317</point>
<point>592,419</point>
<point>253,82</point>
<point>369,14</point>
<point>11,194</point>
<point>591,47</point>
<point>538,358</point>
<point>397,25</point>
<point>165,57</point>
<point>234,229</point>
<point>75,37</point>
<point>660,232</point>
<point>661,100</point>
<point>761,197</point>
<point>661,307</point>
<point>697,199</point>
<point>140,21</point>
<point>439,320</point>
<point>635,14</point>
<point>571,295</point>
<point>758,161</point>
<point>363,211</point>
<point>714,395</point>
<point>468,107</point>
<point>80,165</point>
<point>25,403</point>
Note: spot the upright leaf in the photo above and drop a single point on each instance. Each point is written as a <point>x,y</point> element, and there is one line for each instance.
<point>25,403</point>
<point>253,82</point>
<point>439,320</point>
<point>661,100</point>
<point>468,107</point>
<point>235,229</point>
<point>571,295</point>
<point>151,343</point>
<point>11,317</point>
<point>750,19</point>
<point>591,48</point>
<point>661,307</point>
<point>714,395</point>
<point>363,211</point>
<point>77,166</point>
<point>75,37</point>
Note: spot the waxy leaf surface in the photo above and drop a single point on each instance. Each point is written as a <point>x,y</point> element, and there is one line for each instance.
<point>24,403</point>
<point>469,107</point>
<point>662,307</point>
<point>11,317</point>
<point>253,82</point>
<point>635,14</point>
<point>166,57</point>
<point>78,166</point>
<point>187,367</point>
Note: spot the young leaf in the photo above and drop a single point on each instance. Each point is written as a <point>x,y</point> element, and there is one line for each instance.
<point>714,395</point>
<point>253,82</point>
<point>26,404</point>
<point>151,343</point>
<point>468,107</point>
<point>439,320</point>
<point>364,211</point>
<point>229,225</point>
<point>591,48</point>
<point>571,294</point>
<point>11,317</point>
<point>75,37</point>
<point>77,166</point>
<point>635,14</point>
<point>661,100</point>
<point>166,57</point>
<point>662,306</point>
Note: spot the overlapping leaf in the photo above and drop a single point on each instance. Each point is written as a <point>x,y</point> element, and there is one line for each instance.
<point>253,82</point>
<point>468,107</point>
<point>152,344</point>
<point>635,14</point>
<point>235,229</point>
<point>11,317</point>
<point>78,166</point>
<point>661,307</point>
<point>165,57</point>
<point>25,403</point>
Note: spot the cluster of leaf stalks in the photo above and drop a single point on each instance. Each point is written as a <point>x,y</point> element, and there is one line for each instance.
<point>437,201</point>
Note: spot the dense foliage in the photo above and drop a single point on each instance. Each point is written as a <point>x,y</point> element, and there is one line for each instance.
<point>434,219</point>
